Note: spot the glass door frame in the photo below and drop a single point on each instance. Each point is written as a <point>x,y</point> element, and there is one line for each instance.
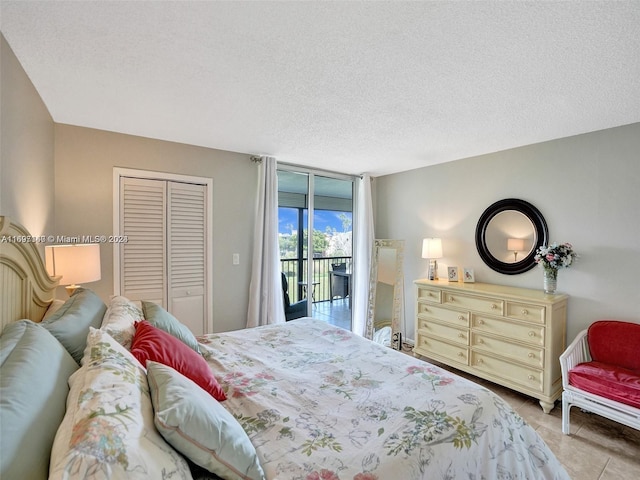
<point>311,174</point>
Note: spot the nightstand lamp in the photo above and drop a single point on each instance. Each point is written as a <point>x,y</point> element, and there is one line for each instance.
<point>515,245</point>
<point>432,249</point>
<point>74,263</point>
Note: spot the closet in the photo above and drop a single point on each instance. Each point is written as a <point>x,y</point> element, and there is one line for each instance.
<point>166,258</point>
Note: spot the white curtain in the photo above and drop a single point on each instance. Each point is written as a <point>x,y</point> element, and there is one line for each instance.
<point>364,236</point>
<point>266,304</point>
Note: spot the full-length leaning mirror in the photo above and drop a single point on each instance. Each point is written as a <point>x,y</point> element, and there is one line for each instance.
<point>386,284</point>
<point>508,234</point>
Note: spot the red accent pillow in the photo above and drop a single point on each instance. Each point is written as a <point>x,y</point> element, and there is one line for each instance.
<point>615,342</point>
<point>151,343</point>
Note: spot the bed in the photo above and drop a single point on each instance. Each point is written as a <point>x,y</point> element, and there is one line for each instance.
<point>302,400</point>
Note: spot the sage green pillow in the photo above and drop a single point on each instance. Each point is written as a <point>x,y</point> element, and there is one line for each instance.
<point>70,323</point>
<point>199,427</point>
<point>33,394</point>
<point>160,318</point>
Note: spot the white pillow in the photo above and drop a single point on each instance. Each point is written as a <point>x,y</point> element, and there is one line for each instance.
<point>199,427</point>
<point>108,430</point>
<point>119,319</point>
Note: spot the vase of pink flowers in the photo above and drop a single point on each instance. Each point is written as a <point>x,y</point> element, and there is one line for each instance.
<point>552,258</point>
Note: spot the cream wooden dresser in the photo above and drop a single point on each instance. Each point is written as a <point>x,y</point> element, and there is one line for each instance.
<point>510,336</point>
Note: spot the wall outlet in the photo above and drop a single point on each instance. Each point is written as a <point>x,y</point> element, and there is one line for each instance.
<point>236,259</point>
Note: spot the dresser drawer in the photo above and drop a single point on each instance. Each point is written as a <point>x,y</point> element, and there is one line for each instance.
<point>531,334</point>
<point>479,304</point>
<point>527,377</point>
<point>427,345</point>
<point>528,313</point>
<point>429,294</point>
<point>529,355</point>
<point>459,319</point>
<point>452,334</point>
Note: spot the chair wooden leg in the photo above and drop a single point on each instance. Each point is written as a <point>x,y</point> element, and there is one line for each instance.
<point>566,407</point>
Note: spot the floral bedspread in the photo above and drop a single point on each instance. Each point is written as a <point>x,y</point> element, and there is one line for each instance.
<point>320,403</point>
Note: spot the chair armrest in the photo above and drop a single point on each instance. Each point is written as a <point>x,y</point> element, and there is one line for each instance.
<point>577,352</point>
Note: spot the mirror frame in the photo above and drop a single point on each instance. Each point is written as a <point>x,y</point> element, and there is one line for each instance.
<point>539,225</point>
<point>398,291</point>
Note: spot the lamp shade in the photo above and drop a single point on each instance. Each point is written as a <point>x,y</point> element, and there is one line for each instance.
<point>432,248</point>
<point>75,263</point>
<point>515,244</point>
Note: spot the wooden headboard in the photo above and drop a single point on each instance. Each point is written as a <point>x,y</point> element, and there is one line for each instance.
<point>26,289</point>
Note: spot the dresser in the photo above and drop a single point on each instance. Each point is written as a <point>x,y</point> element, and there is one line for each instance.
<point>507,335</point>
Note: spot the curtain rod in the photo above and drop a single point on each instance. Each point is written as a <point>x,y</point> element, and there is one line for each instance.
<point>258,159</point>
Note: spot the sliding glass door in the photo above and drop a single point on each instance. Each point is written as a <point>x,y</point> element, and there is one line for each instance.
<point>322,204</point>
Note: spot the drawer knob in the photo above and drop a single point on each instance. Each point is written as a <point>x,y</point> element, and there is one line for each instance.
<point>531,355</point>
<point>525,311</point>
<point>493,306</point>
<point>450,298</point>
<point>460,317</point>
<point>460,354</point>
<point>531,377</point>
<point>479,362</point>
<point>481,322</point>
<point>461,335</point>
<point>532,334</point>
<point>480,341</point>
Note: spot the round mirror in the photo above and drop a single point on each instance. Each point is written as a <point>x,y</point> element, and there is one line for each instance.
<point>508,234</point>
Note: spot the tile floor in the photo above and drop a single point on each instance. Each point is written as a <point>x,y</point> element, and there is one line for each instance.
<point>597,449</point>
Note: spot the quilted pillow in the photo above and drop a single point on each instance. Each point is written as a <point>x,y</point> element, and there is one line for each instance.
<point>70,323</point>
<point>151,343</point>
<point>160,318</point>
<point>120,318</point>
<point>199,427</point>
<point>33,391</point>
<point>108,430</point>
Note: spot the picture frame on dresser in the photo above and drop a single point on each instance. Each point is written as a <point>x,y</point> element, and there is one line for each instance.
<point>468,276</point>
<point>452,274</point>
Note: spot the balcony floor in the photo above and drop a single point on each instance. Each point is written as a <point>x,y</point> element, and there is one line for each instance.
<point>336,313</point>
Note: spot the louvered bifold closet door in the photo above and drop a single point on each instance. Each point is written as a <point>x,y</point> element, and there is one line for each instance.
<point>143,207</point>
<point>187,257</point>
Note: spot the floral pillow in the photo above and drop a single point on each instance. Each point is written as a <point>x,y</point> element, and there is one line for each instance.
<point>120,318</point>
<point>108,429</point>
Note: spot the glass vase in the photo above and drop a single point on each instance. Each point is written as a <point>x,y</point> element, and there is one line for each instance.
<point>550,281</point>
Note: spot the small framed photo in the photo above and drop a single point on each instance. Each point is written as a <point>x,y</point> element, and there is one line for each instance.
<point>467,275</point>
<point>452,274</point>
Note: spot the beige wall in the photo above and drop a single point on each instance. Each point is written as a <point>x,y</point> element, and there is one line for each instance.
<point>84,203</point>
<point>588,189</point>
<point>26,152</point>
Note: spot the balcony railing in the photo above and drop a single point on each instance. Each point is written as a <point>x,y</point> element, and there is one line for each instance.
<point>321,277</point>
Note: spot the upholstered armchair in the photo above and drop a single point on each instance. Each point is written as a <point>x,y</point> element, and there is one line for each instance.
<point>295,310</point>
<point>601,373</point>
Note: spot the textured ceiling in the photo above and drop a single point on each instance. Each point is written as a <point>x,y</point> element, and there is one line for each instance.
<point>354,87</point>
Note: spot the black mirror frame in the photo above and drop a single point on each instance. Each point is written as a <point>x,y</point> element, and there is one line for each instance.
<point>539,224</point>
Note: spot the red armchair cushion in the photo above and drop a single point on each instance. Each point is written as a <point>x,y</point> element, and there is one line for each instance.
<point>616,343</point>
<point>608,381</point>
<point>151,343</point>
